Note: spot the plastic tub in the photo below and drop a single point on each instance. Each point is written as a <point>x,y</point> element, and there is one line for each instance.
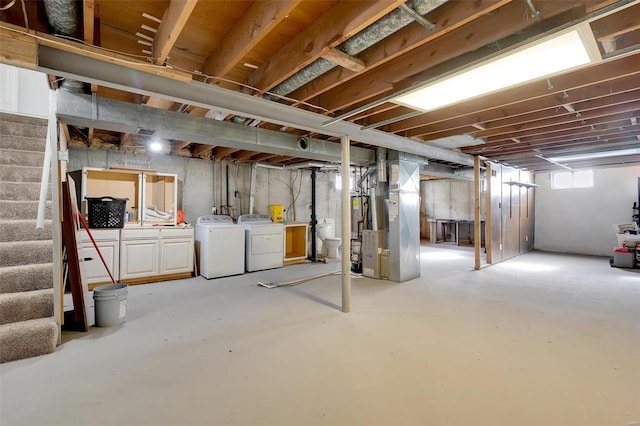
<point>110,304</point>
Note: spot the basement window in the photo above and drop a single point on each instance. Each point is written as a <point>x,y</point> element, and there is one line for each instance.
<point>572,180</point>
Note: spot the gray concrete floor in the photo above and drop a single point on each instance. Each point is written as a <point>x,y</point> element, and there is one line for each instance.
<point>542,339</point>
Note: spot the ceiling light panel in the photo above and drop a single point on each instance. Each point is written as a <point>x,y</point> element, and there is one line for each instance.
<point>546,57</point>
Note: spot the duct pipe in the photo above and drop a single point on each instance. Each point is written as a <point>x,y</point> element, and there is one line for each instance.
<point>227,183</point>
<point>365,176</point>
<point>314,220</point>
<point>64,18</point>
<point>252,188</point>
<point>374,33</point>
<point>381,162</point>
<point>346,227</point>
<point>373,205</point>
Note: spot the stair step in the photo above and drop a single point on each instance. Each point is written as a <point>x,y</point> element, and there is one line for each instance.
<point>16,279</point>
<point>25,143</point>
<point>8,128</point>
<point>23,230</point>
<point>20,174</point>
<point>19,157</point>
<point>27,339</point>
<point>26,305</point>
<point>14,210</point>
<point>24,119</point>
<point>26,253</point>
<point>22,191</point>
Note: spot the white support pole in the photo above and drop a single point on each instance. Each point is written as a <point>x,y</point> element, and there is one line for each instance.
<point>346,226</point>
<point>52,143</point>
<point>476,213</point>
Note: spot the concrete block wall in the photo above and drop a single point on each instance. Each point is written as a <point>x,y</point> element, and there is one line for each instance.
<point>202,184</point>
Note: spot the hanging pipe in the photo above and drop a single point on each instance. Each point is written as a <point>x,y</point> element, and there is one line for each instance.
<point>314,221</point>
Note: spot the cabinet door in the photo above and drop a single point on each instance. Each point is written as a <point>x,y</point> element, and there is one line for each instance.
<point>176,255</point>
<point>139,258</point>
<point>93,271</point>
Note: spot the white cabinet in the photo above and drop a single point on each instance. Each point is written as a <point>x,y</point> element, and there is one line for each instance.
<point>176,250</point>
<point>146,253</point>
<point>93,270</point>
<point>139,252</point>
<point>152,198</point>
<point>160,196</point>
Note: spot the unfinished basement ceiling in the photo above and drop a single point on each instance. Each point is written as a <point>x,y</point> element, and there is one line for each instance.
<point>334,57</point>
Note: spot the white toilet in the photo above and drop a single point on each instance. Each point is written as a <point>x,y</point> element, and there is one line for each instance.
<point>328,244</point>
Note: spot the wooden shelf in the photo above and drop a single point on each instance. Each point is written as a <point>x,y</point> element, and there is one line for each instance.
<point>522,184</point>
<point>295,241</point>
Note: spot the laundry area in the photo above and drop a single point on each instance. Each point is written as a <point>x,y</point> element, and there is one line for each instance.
<point>328,212</point>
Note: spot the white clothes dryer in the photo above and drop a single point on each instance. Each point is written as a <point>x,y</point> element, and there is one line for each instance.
<point>264,242</point>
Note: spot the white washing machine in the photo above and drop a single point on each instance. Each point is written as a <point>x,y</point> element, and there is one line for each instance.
<point>219,246</point>
<point>264,242</point>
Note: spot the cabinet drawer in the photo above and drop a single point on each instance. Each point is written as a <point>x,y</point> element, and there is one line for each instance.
<point>176,233</point>
<point>136,234</point>
<point>100,235</point>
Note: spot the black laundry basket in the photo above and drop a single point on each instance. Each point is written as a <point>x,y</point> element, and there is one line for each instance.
<point>106,212</point>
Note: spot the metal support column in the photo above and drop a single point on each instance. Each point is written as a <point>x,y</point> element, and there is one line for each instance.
<point>314,219</point>
<point>346,226</point>
<point>477,223</point>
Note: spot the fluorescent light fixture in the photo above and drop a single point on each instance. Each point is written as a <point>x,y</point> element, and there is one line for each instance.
<point>594,155</point>
<point>550,55</point>
<point>155,146</point>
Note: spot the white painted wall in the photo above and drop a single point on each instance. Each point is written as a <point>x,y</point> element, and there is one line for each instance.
<point>581,220</point>
<point>24,92</point>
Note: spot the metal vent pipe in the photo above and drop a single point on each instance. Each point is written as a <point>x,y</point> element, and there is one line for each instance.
<point>374,33</point>
<point>64,17</point>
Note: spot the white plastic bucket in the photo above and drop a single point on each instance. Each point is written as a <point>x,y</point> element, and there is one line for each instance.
<point>110,304</point>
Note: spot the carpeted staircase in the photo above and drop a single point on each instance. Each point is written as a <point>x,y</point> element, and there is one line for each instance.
<point>27,327</point>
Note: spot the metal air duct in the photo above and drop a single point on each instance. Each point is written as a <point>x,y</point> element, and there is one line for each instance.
<point>374,33</point>
<point>64,17</point>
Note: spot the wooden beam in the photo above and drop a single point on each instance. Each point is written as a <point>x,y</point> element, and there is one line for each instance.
<point>88,15</point>
<point>340,58</point>
<point>126,139</point>
<point>159,103</point>
<point>512,109</point>
<point>262,157</point>
<point>503,104</point>
<point>606,114</point>
<point>242,155</point>
<point>173,22</point>
<point>448,17</point>
<point>340,23</point>
<point>401,72</point>
<point>618,23</point>
<point>222,152</point>
<point>199,149</point>
<point>254,25</point>
<point>589,113</point>
<point>178,145</point>
<point>487,212</point>
<point>18,49</point>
